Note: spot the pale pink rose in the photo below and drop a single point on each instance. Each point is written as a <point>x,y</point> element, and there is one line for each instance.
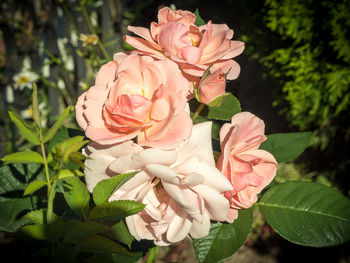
<point>182,188</point>
<point>212,86</point>
<point>176,36</point>
<point>136,95</point>
<point>247,168</point>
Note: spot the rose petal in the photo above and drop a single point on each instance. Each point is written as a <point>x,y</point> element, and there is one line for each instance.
<point>215,203</point>
<point>177,194</point>
<point>79,112</point>
<point>200,229</point>
<point>176,131</point>
<point>106,73</point>
<point>190,54</point>
<point>144,45</point>
<point>213,177</point>
<point>199,144</point>
<point>173,36</point>
<point>179,227</point>
<point>232,215</point>
<point>160,109</point>
<point>163,172</point>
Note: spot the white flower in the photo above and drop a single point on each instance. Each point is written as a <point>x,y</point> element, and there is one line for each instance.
<point>24,79</point>
<point>67,58</point>
<point>10,98</point>
<point>182,188</point>
<point>88,39</point>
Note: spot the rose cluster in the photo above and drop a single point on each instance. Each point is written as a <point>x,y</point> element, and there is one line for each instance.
<point>143,95</point>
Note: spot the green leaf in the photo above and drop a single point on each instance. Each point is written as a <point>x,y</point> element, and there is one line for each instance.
<point>229,107</point>
<point>199,20</point>
<point>307,213</point>
<point>115,210</point>
<point>121,233</point>
<point>72,149</point>
<point>63,149</point>
<point>13,180</point>
<point>39,217</point>
<point>58,124</point>
<point>59,137</point>
<point>286,146</point>
<point>14,177</point>
<point>34,186</point>
<point>105,188</point>
<point>33,232</point>
<point>224,240</point>
<point>77,196</point>
<point>11,208</point>
<point>62,146</point>
<point>36,216</point>
<point>23,157</point>
<point>217,102</point>
<point>101,244</point>
<point>24,129</point>
<point>77,158</point>
<point>66,173</point>
<point>35,105</point>
<point>84,230</point>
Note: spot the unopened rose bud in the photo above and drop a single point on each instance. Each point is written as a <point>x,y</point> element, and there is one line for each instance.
<point>212,86</point>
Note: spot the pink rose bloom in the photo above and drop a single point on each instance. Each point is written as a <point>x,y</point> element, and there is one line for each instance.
<point>182,188</point>
<point>247,168</point>
<point>136,95</point>
<point>176,36</point>
<point>212,86</point>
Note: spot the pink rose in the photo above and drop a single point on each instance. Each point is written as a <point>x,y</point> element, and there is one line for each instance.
<point>176,36</point>
<point>136,95</point>
<point>247,168</point>
<point>182,188</point>
<point>212,86</point>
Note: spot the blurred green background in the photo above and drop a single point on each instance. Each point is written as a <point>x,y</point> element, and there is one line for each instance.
<point>295,75</point>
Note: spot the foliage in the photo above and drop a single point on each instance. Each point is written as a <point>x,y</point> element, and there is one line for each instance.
<point>314,70</point>
<point>304,47</point>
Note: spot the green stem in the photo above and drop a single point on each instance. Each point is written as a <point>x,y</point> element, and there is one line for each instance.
<point>69,16</point>
<point>92,29</point>
<point>152,254</point>
<point>50,198</point>
<point>199,109</point>
<point>45,165</point>
<point>50,189</point>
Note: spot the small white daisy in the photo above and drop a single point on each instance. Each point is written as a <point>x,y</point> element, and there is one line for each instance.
<point>24,79</point>
<point>88,39</point>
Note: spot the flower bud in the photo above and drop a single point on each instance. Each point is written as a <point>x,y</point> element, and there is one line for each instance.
<point>212,86</point>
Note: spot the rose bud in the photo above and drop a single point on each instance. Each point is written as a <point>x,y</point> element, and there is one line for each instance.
<point>212,86</point>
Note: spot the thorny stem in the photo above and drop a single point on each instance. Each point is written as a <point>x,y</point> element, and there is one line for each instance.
<point>92,29</point>
<point>199,109</point>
